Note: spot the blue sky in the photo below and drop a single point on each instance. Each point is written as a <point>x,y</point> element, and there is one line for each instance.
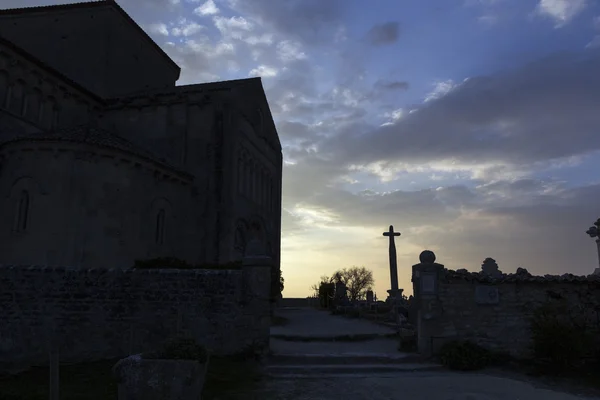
<point>470,125</point>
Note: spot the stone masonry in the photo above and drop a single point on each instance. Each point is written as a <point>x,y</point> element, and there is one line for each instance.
<point>491,310</point>
<point>111,313</point>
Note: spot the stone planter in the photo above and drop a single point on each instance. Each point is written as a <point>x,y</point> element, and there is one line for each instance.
<point>157,379</point>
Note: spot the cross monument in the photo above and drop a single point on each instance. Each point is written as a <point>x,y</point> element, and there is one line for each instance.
<point>395,293</point>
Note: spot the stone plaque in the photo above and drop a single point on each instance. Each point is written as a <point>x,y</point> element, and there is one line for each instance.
<point>486,295</point>
<point>427,284</point>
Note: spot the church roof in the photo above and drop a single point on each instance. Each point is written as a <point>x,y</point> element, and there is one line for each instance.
<point>95,136</point>
<point>34,60</point>
<point>90,4</point>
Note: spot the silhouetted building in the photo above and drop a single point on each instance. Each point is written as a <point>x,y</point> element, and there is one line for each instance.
<point>104,160</point>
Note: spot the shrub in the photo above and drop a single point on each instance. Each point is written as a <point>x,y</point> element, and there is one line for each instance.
<point>560,337</point>
<point>464,356</point>
<point>179,348</point>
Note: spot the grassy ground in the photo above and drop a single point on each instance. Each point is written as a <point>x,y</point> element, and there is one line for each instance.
<point>226,379</point>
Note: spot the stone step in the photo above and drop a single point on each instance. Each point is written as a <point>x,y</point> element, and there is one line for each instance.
<point>345,359</point>
<point>299,371</point>
<point>361,337</point>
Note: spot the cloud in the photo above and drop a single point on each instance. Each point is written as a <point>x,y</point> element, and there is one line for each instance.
<point>561,11</point>
<point>288,50</point>
<point>393,85</point>
<point>263,71</point>
<point>542,111</point>
<point>311,22</point>
<point>186,28</point>
<point>158,29</point>
<point>234,27</point>
<point>383,34</point>
<point>493,134</point>
<point>208,8</point>
<point>200,58</point>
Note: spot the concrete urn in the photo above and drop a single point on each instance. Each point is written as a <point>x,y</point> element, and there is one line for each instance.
<point>159,379</point>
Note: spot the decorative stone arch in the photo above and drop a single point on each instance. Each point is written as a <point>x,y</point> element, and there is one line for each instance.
<point>33,104</point>
<point>252,192</point>
<point>271,193</point>
<point>263,187</point>
<point>247,176</point>
<point>260,121</point>
<point>263,233</point>
<point>241,238</point>
<point>22,197</point>
<point>49,113</point>
<point>241,169</point>
<point>4,87</point>
<point>160,221</point>
<point>16,100</point>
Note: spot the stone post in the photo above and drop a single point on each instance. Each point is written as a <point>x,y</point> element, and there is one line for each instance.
<point>597,270</point>
<point>425,278</point>
<point>256,293</point>
<point>594,232</point>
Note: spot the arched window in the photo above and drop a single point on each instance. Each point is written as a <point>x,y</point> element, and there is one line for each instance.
<point>159,236</point>
<point>271,195</point>
<point>247,178</point>
<point>16,103</point>
<point>240,174</point>
<point>50,113</point>
<point>22,214</point>
<point>34,100</point>
<point>3,88</point>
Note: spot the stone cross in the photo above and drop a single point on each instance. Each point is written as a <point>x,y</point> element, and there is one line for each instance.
<point>393,263</point>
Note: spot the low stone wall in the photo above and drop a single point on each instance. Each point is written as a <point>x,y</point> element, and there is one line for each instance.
<point>298,302</point>
<point>100,314</point>
<point>493,312</point>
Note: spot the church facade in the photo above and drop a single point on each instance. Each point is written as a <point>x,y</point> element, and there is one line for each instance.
<point>104,160</point>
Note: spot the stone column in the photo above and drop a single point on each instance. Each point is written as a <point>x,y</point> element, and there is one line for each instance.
<point>256,292</point>
<point>425,278</point>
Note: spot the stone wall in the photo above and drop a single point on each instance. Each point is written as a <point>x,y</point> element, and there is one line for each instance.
<point>494,312</point>
<point>100,313</point>
<point>294,302</point>
<point>112,222</point>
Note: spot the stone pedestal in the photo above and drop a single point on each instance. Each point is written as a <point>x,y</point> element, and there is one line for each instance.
<point>425,280</point>
<point>394,296</point>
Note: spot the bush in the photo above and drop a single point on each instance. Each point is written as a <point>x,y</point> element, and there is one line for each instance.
<point>560,337</point>
<point>179,348</point>
<point>464,356</point>
<point>175,263</point>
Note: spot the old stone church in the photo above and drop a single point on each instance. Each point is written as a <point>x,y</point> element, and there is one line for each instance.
<point>103,160</point>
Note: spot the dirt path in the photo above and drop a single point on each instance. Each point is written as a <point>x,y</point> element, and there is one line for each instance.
<point>309,362</point>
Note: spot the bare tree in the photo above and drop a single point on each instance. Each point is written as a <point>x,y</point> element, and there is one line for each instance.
<point>358,280</point>
<point>323,280</point>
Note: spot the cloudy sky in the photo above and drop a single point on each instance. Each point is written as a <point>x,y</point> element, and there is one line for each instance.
<point>472,126</point>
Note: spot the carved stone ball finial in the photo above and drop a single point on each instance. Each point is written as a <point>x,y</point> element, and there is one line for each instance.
<point>427,257</point>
